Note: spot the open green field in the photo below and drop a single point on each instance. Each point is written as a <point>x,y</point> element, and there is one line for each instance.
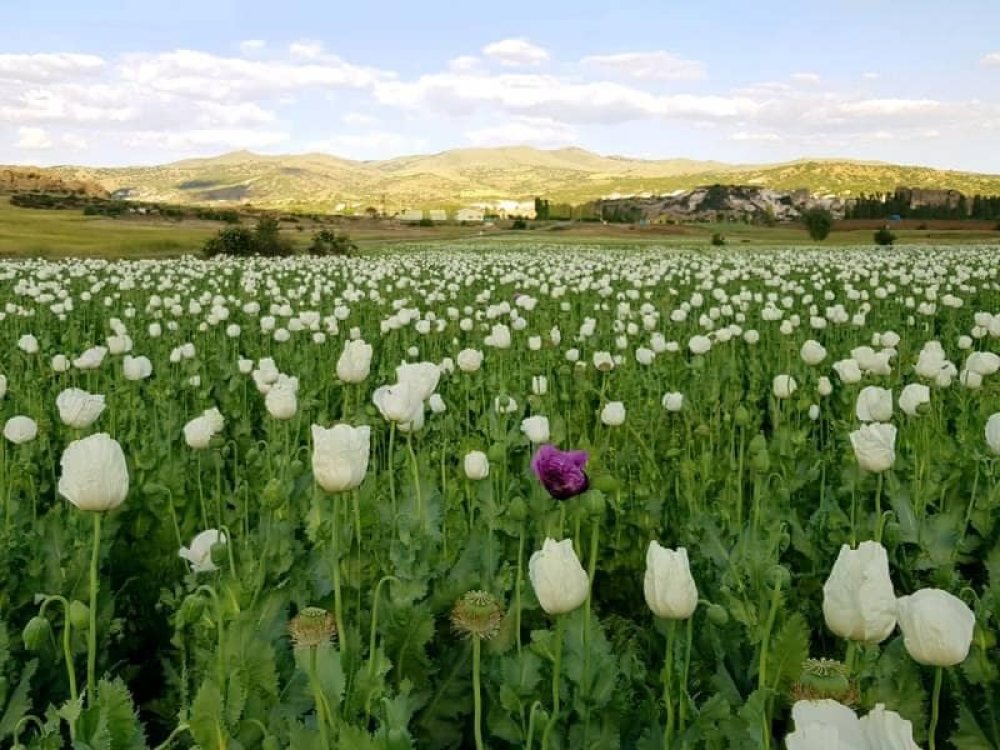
<point>60,233</point>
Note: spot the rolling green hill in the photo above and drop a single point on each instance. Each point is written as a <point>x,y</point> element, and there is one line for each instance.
<point>319,182</point>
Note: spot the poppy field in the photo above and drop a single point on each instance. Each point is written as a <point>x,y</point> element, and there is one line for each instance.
<point>543,497</point>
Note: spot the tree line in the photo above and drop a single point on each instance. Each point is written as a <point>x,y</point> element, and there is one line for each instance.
<point>883,205</point>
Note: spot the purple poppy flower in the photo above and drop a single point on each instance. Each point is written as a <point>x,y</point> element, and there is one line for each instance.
<point>561,472</point>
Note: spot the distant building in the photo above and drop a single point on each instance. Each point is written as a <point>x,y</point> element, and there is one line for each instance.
<point>410,214</point>
<point>470,215</point>
<point>437,214</point>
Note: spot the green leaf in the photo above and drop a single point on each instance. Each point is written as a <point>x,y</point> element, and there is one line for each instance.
<point>20,702</point>
<point>114,701</point>
<point>788,651</point>
<point>206,716</point>
<point>899,685</point>
<point>968,735</point>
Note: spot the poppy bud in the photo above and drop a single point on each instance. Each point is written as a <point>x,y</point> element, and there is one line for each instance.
<point>36,633</point>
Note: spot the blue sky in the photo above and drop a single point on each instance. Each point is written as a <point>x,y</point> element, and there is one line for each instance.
<point>109,83</point>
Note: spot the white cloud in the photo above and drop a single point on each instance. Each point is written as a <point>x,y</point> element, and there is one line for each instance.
<point>890,107</point>
<point>650,66</point>
<point>44,67</point>
<point>534,131</point>
<point>375,144</point>
<point>305,49</point>
<point>215,138</point>
<point>202,75</point>
<point>550,96</point>
<point>252,46</point>
<point>33,139</point>
<point>358,118</point>
<point>74,141</point>
<point>871,76</point>
<point>742,135</point>
<point>808,78</point>
<point>993,58</point>
<point>515,52</point>
<point>464,64</point>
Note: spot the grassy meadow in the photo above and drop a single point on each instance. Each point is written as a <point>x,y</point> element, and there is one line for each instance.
<point>30,232</point>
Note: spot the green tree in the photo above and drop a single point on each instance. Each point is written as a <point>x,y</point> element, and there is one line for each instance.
<point>819,222</point>
<point>325,243</point>
<point>884,237</point>
<point>232,240</point>
<point>268,240</point>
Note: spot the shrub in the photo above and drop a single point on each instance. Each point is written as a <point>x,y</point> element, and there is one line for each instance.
<point>325,242</point>
<point>231,240</point>
<point>884,237</point>
<point>718,239</point>
<point>268,240</point>
<point>519,224</point>
<point>425,222</point>
<point>818,223</point>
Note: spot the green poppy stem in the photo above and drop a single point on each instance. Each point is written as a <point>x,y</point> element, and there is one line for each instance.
<point>319,699</point>
<point>92,632</point>
<point>416,479</point>
<point>935,707</point>
<point>668,699</point>
<point>518,582</point>
<point>477,693</point>
<point>878,507</point>
<point>682,708</point>
<point>556,674</point>
<point>392,478</point>
<point>335,549</point>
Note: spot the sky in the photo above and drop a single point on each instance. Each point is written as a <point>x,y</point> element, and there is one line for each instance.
<point>114,83</point>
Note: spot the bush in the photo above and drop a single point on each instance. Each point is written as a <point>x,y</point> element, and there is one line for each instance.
<point>268,240</point>
<point>718,239</point>
<point>818,223</point>
<point>326,243</point>
<point>884,237</point>
<point>232,240</point>
<point>519,224</point>
<point>425,222</point>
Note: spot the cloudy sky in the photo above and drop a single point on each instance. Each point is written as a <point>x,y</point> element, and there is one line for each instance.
<point>106,82</point>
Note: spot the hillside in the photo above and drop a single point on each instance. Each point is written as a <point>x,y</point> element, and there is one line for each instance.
<point>462,176</point>
<point>29,179</point>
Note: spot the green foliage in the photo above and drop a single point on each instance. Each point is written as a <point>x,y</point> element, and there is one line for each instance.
<point>234,241</point>
<point>718,239</point>
<point>519,224</point>
<point>884,237</point>
<point>326,242</point>
<point>238,241</point>
<point>819,222</point>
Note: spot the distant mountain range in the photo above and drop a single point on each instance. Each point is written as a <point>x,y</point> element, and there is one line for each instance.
<point>462,177</point>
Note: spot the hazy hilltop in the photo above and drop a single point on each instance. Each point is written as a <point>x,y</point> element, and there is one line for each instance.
<point>460,177</point>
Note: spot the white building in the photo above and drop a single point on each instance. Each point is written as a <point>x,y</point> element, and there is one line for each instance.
<point>470,214</point>
<point>438,214</point>
<point>410,214</point>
